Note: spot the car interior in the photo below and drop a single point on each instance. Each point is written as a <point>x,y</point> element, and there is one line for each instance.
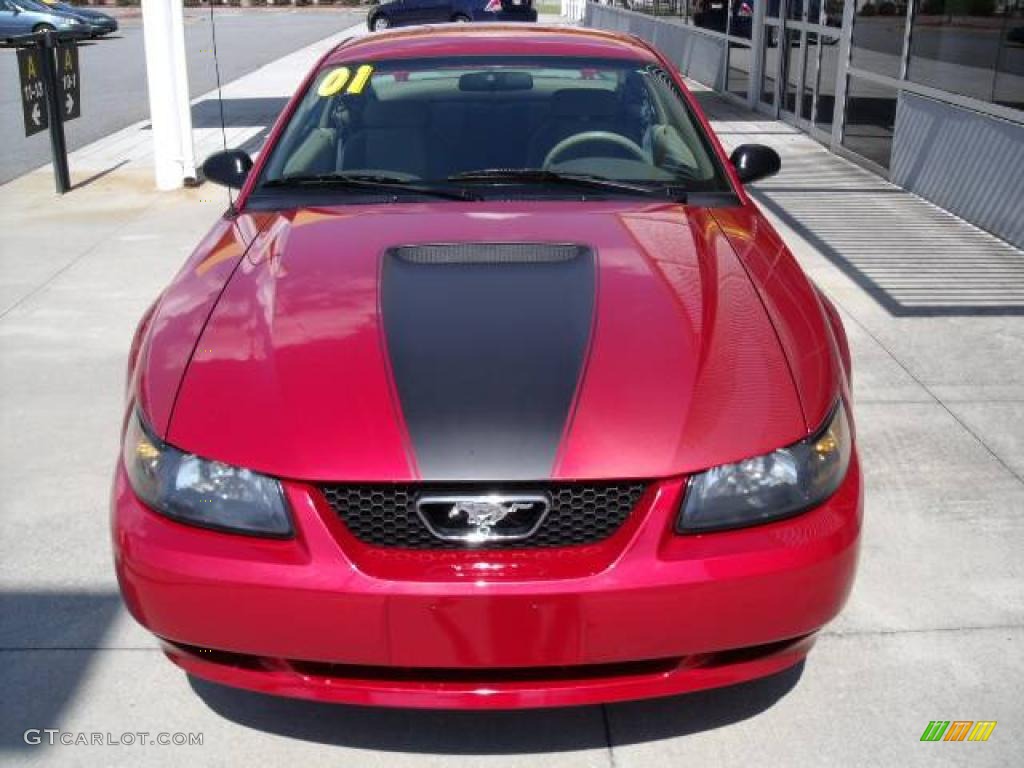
<point>434,127</point>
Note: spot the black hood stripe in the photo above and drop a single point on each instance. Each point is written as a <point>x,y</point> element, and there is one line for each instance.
<point>487,345</point>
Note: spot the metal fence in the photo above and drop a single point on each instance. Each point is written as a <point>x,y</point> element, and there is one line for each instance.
<point>575,9</point>
<point>679,8</point>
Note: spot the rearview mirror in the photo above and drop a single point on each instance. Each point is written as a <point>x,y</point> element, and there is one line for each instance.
<point>228,168</point>
<point>496,81</point>
<point>755,161</point>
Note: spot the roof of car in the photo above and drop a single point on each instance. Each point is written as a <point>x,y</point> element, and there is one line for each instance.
<point>447,40</point>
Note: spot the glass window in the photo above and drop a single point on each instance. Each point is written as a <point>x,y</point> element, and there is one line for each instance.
<point>826,12</point>
<point>770,64</point>
<point>954,45</point>
<point>795,9</point>
<point>711,14</point>
<point>432,119</point>
<point>676,8</point>
<point>870,118</point>
<point>827,83</point>
<point>878,33</point>
<point>792,66</point>
<point>810,76</point>
<point>1009,88</point>
<point>832,15</point>
<point>738,74</point>
<point>741,18</point>
<point>772,9</point>
<point>732,16</point>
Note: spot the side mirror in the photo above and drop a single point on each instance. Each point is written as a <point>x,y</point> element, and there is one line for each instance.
<point>755,161</point>
<point>228,168</point>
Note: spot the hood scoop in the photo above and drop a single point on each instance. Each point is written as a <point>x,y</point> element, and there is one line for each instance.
<point>488,253</point>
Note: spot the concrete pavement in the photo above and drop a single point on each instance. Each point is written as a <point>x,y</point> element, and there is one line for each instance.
<point>933,629</point>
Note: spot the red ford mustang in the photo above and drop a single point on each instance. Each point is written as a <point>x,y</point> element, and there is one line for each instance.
<point>493,389</point>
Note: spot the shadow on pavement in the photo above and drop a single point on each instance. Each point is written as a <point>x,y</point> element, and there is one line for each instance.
<point>238,113</point>
<point>912,258</point>
<point>47,641</point>
<point>494,733</point>
<point>720,110</point>
<point>912,264</point>
<point>98,176</point>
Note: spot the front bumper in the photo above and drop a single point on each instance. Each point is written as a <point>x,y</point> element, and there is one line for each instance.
<point>644,613</point>
<point>103,27</point>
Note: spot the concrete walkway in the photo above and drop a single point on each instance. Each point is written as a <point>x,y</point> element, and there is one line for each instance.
<point>933,630</point>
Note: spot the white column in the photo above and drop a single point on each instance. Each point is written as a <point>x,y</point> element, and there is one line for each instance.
<point>167,78</point>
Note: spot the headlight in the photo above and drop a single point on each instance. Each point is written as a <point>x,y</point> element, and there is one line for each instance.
<point>769,487</point>
<point>206,493</point>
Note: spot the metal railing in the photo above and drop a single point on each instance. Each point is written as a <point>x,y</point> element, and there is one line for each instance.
<point>677,8</point>
<point>574,9</point>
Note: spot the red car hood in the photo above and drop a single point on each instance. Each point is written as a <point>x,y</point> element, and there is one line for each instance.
<point>330,356</point>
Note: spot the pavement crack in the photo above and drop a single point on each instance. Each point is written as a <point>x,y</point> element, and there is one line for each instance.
<point>920,631</point>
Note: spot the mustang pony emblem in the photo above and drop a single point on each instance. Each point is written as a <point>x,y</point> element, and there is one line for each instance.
<point>487,517</point>
<point>483,515</point>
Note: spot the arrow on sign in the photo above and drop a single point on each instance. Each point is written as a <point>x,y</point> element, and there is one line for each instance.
<point>37,117</point>
<point>69,103</point>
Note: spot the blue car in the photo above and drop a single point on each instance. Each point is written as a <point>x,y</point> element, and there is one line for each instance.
<point>23,17</point>
<point>99,23</point>
<point>398,13</point>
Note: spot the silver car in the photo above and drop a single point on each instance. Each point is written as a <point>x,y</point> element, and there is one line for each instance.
<point>23,17</point>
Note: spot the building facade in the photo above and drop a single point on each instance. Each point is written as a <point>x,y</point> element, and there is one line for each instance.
<point>928,93</point>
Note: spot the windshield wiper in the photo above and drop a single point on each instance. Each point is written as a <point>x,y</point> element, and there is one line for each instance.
<point>585,180</point>
<point>367,181</point>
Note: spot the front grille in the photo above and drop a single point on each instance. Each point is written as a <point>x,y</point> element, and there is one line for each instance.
<point>581,513</point>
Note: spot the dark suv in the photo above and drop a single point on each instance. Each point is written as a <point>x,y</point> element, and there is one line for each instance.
<point>398,13</point>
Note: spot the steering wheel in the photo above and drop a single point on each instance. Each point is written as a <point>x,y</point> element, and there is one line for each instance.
<point>596,136</point>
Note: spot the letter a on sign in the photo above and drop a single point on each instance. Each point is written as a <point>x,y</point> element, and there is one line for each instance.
<point>33,93</point>
<point>70,86</point>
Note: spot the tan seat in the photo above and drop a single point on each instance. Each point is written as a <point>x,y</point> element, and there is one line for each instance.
<point>393,137</point>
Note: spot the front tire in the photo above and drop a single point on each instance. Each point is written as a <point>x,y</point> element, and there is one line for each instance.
<point>461,18</point>
<point>40,28</point>
<point>379,23</point>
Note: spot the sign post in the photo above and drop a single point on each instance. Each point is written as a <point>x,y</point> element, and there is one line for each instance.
<point>57,145</point>
<point>50,93</point>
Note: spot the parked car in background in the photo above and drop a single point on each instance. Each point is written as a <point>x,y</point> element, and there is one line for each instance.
<point>712,14</point>
<point>400,13</point>
<point>99,23</point>
<point>23,17</point>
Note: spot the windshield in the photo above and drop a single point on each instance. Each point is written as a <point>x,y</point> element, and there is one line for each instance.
<point>31,5</point>
<point>489,121</point>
